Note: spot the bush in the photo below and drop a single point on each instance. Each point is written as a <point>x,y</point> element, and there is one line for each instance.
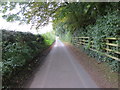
<point>105,26</point>
<point>18,49</point>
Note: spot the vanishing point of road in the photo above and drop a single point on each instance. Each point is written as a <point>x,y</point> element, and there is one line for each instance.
<point>61,70</point>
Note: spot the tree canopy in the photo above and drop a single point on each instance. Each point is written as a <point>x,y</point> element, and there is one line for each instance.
<point>69,15</point>
<point>36,13</point>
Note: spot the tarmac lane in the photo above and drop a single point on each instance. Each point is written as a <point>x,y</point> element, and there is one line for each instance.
<point>61,70</point>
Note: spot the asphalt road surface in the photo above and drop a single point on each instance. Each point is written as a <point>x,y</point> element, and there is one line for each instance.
<point>61,70</point>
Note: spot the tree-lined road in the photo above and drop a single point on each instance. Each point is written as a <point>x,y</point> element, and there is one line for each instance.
<point>61,70</point>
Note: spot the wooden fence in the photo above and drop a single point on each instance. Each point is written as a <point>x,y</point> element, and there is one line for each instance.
<point>107,50</point>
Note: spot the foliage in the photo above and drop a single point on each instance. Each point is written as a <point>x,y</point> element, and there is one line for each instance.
<point>76,14</point>
<point>36,13</point>
<point>49,37</point>
<point>94,19</point>
<point>19,49</point>
<point>106,24</point>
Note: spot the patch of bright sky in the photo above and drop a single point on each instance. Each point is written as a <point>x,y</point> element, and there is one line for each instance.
<point>14,26</point>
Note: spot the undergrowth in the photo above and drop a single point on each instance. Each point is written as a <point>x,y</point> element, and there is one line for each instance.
<point>18,50</point>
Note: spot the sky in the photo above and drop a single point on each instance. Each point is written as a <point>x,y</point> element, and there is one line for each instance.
<point>14,26</point>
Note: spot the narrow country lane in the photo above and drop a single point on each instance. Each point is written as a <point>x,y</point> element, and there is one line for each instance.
<point>61,70</point>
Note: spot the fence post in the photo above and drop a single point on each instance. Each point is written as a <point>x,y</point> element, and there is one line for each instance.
<point>107,46</point>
